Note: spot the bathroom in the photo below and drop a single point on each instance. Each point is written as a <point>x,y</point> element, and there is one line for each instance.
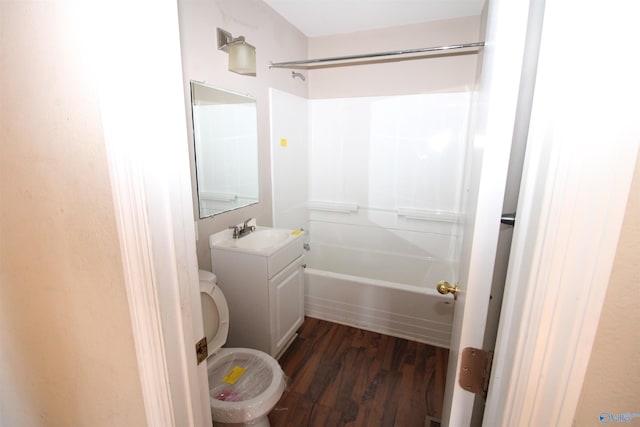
<point>92,189</point>
<point>418,224</point>
<point>387,132</point>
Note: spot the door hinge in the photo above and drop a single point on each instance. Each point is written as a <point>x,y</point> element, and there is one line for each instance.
<point>201,350</point>
<point>508,219</point>
<point>475,370</point>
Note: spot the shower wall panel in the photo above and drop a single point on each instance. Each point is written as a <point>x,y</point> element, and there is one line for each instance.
<point>390,152</point>
<point>289,159</point>
<point>400,161</point>
<point>378,174</point>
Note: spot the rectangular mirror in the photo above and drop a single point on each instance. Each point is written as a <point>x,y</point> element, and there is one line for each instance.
<point>225,133</point>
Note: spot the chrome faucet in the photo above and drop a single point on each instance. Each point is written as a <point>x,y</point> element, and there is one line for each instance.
<point>242,230</point>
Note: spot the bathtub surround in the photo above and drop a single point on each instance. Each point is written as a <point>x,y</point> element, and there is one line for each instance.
<point>375,163</point>
<point>382,205</point>
<point>373,168</point>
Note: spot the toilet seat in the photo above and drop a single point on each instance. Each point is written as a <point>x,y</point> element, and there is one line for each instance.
<point>215,313</point>
<point>253,395</point>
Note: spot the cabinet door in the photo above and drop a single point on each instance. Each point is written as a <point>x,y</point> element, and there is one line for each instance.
<point>287,305</point>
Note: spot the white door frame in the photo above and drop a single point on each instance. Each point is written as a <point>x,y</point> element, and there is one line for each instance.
<point>540,357</point>
<point>569,217</point>
<point>138,69</point>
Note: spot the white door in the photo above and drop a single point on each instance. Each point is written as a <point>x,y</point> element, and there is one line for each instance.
<point>490,147</point>
<point>579,162</point>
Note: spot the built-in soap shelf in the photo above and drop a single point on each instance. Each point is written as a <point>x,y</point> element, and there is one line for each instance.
<point>405,212</point>
<point>328,206</point>
<point>428,215</point>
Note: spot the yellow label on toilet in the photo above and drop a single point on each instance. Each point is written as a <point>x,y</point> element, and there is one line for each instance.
<point>296,232</point>
<point>234,375</point>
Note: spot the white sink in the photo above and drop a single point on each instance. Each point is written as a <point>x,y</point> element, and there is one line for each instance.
<point>263,241</point>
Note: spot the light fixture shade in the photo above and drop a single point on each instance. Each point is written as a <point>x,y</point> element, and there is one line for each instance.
<point>242,58</point>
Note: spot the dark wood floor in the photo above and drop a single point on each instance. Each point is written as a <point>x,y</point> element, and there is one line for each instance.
<point>343,376</point>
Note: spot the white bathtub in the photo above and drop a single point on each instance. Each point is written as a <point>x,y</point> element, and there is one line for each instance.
<point>390,294</point>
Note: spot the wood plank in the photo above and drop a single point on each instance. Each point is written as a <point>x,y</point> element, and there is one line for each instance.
<point>344,376</point>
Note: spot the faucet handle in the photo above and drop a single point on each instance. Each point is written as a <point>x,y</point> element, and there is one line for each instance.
<point>249,228</point>
<point>236,231</point>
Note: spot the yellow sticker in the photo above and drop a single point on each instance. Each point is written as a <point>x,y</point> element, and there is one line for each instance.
<point>234,375</point>
<point>283,142</point>
<point>296,232</point>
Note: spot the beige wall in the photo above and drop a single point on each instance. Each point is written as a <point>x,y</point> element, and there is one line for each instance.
<point>67,355</point>
<point>443,73</point>
<point>275,40</point>
<point>612,382</point>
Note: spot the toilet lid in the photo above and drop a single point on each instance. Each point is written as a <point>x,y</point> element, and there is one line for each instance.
<point>244,385</point>
<point>215,316</point>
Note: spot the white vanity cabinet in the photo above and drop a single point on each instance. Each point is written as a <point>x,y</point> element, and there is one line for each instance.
<point>264,290</point>
<point>286,300</point>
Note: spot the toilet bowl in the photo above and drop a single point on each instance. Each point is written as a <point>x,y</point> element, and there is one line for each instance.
<point>244,384</point>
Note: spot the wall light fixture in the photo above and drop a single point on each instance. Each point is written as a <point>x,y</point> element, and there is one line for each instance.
<point>242,56</point>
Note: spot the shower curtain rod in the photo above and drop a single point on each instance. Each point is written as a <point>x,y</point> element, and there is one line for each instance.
<point>307,62</point>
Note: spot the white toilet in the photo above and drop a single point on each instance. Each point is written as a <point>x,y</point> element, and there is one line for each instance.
<point>244,384</point>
